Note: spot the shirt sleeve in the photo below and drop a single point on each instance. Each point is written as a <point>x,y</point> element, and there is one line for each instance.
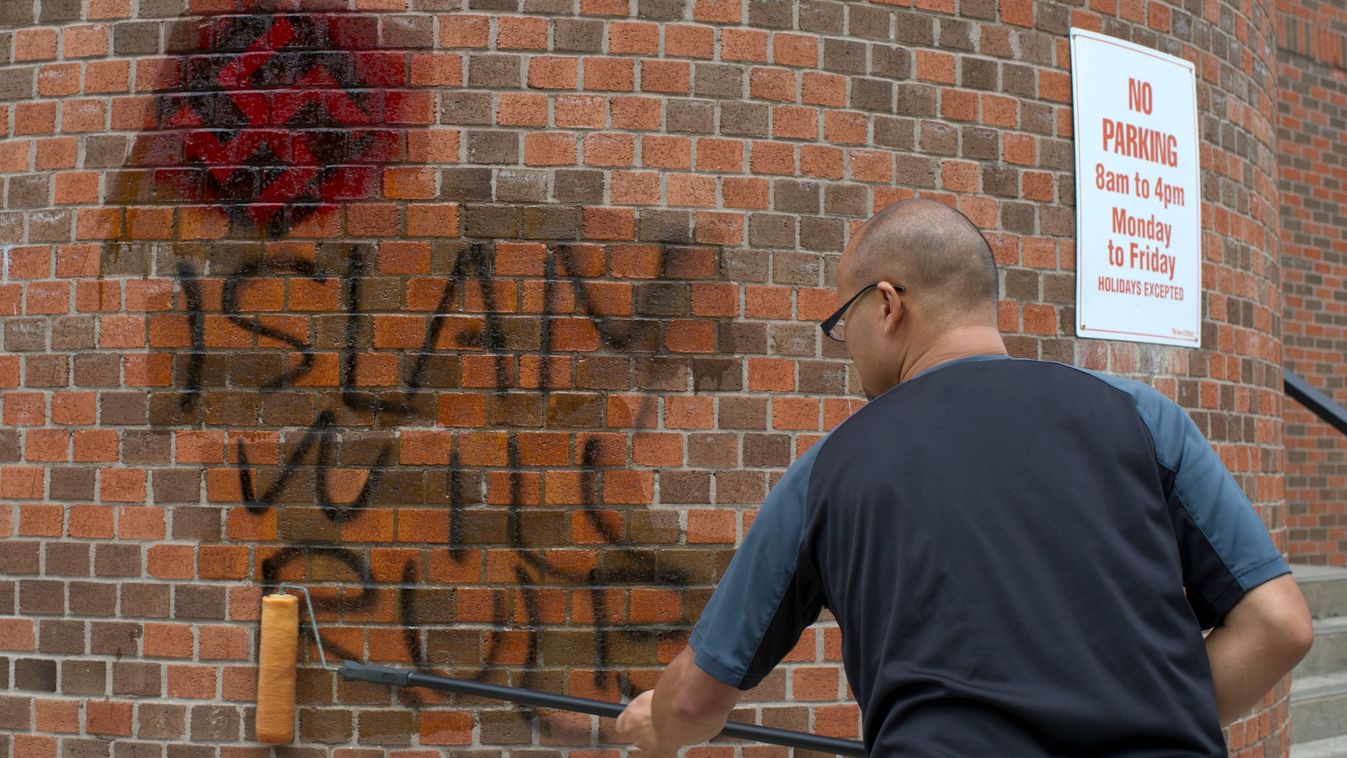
<point>764,601</point>
<point>1225,547</point>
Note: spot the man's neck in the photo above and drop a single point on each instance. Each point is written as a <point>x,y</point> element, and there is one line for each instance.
<point>953,344</point>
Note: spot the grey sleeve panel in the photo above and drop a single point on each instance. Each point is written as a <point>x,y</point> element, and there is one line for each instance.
<point>1226,548</point>
<point>762,604</point>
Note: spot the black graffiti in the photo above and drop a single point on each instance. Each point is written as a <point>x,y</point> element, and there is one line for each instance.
<point>315,450</point>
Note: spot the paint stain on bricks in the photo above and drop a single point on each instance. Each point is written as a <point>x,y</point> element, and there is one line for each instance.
<point>275,117</point>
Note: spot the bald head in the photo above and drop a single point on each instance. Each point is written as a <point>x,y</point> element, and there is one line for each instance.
<point>936,253</point>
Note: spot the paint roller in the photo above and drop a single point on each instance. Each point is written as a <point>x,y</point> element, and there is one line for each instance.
<point>277,656</point>
<point>279,648</point>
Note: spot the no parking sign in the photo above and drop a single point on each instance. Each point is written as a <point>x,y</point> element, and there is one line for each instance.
<point>1138,224</point>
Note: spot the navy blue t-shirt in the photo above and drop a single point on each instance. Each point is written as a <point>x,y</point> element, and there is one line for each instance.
<point>1020,555</point>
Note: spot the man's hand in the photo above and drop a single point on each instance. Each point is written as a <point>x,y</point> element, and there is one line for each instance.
<point>637,726</point>
<point>686,707</point>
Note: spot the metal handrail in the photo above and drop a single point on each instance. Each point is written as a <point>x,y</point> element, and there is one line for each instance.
<point>1317,402</point>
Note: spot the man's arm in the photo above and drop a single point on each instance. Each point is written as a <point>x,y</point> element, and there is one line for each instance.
<point>688,706</point>
<point>1264,636</point>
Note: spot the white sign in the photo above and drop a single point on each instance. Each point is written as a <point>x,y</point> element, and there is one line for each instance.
<point>1138,228</point>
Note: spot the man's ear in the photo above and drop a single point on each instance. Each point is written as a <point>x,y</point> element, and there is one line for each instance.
<point>894,309</point>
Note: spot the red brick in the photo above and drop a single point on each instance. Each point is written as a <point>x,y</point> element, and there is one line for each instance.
<point>795,49</point>
<point>1055,86</point>
<point>83,115</point>
<point>59,716</point>
<point>414,182</point>
<point>140,523</point>
<point>666,76</point>
<point>633,112</point>
<point>1018,12</point>
<point>745,192</point>
<point>610,74</point>
<point>771,375</point>
<point>795,123</point>
<point>719,228</point>
<point>1020,149</point>
<point>609,223</point>
<point>846,127</point>
<point>737,44</point>
<point>108,717</point>
<point>609,149</point>
<point>38,520</point>
<point>772,158</point>
<point>821,161</point>
<point>34,118</point>
<point>58,79</point>
<point>666,151</point>
<point>578,111</point>
<point>959,105</point>
<point>815,683</point>
<point>549,149</point>
<point>85,41</point>
<point>436,70</point>
<point>167,640</point>
<point>75,187</point>
<point>24,409</point>
<point>21,483</point>
<point>960,176</point>
<point>690,336</point>
<point>34,746</point>
<point>717,11</point>
<point>691,190</point>
<point>711,526</point>
<point>18,634</point>
<point>464,31</point>
<point>34,44</point>
<point>689,41</point>
<point>935,66</point>
<point>773,84</point>
<point>105,77</point>
<point>15,155</point>
<point>819,88</point>
<point>521,32</point>
<point>552,72</point>
<point>445,728</point>
<point>683,412</point>
<point>46,445</point>
<point>795,413</point>
<point>635,188</point>
<point>191,682</point>
<point>603,7</point>
<point>633,38</point>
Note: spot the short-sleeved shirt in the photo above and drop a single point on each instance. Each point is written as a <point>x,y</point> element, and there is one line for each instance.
<point>1021,557</point>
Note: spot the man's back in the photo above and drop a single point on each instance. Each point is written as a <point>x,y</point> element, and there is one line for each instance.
<point>995,541</point>
<point>1005,545</point>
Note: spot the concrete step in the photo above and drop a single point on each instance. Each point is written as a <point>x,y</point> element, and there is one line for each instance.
<point>1333,747</point>
<point>1325,589</point>
<point>1318,707</point>
<point>1319,683</point>
<point>1329,653</point>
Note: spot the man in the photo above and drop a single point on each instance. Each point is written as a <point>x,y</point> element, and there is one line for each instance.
<point>1021,555</point>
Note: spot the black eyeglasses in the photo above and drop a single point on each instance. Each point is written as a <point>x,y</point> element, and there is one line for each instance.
<point>834,327</point>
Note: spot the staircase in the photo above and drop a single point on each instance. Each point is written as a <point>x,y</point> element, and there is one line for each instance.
<point>1319,683</point>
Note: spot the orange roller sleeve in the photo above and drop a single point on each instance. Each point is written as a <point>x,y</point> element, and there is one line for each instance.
<point>276,669</point>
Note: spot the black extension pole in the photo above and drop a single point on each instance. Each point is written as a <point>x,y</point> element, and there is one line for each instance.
<point>407,678</point>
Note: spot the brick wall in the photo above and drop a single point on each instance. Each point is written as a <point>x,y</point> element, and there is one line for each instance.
<point>492,322</point>
<point>1312,115</point>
